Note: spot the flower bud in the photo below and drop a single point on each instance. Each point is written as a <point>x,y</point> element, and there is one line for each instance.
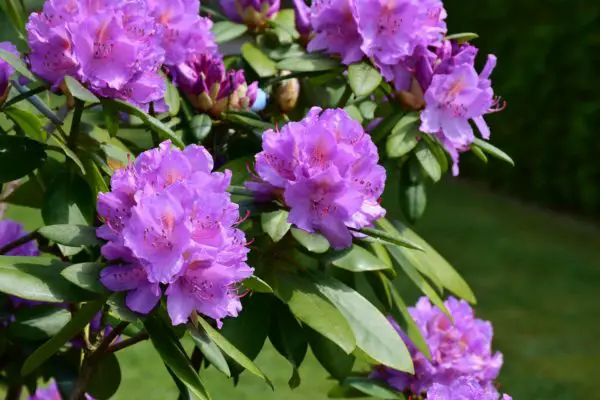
<point>254,13</point>
<point>288,93</point>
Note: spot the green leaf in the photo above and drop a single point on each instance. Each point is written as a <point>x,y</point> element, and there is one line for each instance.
<point>308,63</point>
<point>447,275</point>
<point>374,334</point>
<point>210,350</point>
<point>411,329</point>
<point>363,78</point>
<point>310,307</point>
<point>330,356</point>
<point>359,259</point>
<point>70,235</point>
<point>387,237</point>
<point>256,284</point>
<point>232,351</point>
<point>275,224</point>
<point>285,26</point>
<point>428,161</point>
<point>367,109</point>
<point>372,388</point>
<point>225,31</point>
<point>19,156</point>
<point>111,117</point>
<point>17,64</point>
<point>27,121</point>
<point>385,126</point>
<point>164,131</point>
<point>479,154</point>
<point>174,357</point>
<point>493,151</point>
<point>404,136</point>
<point>345,392</point>
<point>172,99</point>
<point>69,153</point>
<point>106,378</point>
<point>38,323</point>
<point>69,200</point>
<point>201,125</point>
<point>288,338</point>
<point>86,276</point>
<point>15,12</point>
<point>260,63</point>
<point>313,242</point>
<point>118,308</point>
<point>39,279</point>
<point>413,200</point>
<point>79,91</point>
<point>462,37</point>
<point>68,332</point>
<point>244,120</point>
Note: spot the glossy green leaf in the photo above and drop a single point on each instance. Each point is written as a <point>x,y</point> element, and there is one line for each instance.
<point>260,63</point>
<point>81,318</point>
<point>15,12</point>
<point>17,64</point>
<point>462,37</point>
<point>413,200</point>
<point>493,151</point>
<point>247,121</point>
<point>284,25</point>
<point>411,328</point>
<point>313,242</point>
<point>106,378</point>
<point>232,351</point>
<point>225,31</point>
<point>174,357</point>
<point>70,235</point>
<point>404,136</point>
<point>38,323</point>
<point>310,307</point>
<point>479,154</point>
<point>345,392</point>
<point>372,388</point>
<point>447,275</point>
<point>367,109</point>
<point>172,98</point>
<point>354,113</point>
<point>28,122</point>
<point>308,63</point>
<point>201,126</point>
<point>39,279</point>
<point>19,156</point>
<point>79,91</point>
<point>25,95</point>
<point>275,224</point>
<point>428,161</point>
<point>69,153</point>
<point>385,126</point>
<point>111,117</point>
<point>387,237</point>
<point>359,259</point>
<point>288,338</point>
<point>374,334</point>
<point>86,276</point>
<point>164,131</point>
<point>363,78</point>
<point>255,284</point>
<point>330,356</point>
<point>118,308</point>
<point>210,350</point>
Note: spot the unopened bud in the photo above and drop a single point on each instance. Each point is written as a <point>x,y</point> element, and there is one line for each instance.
<point>287,94</point>
<point>412,100</point>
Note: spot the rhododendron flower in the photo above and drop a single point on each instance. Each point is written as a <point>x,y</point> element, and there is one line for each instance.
<point>170,221</point>
<point>459,349</point>
<point>210,88</point>
<point>111,47</point>
<point>464,388</point>
<point>254,13</point>
<point>336,31</point>
<point>11,231</point>
<point>302,15</point>
<point>391,30</point>
<point>183,32</point>
<point>325,169</point>
<point>6,70</point>
<point>51,392</point>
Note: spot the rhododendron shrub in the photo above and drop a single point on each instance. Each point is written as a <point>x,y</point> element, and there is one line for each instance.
<point>190,187</point>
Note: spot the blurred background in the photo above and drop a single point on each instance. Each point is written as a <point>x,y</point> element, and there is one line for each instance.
<point>525,238</point>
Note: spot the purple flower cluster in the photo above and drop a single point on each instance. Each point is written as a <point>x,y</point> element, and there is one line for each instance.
<point>459,349</point>
<point>169,221</point>
<point>6,70</point>
<point>464,388</point>
<point>455,94</point>
<point>254,13</point>
<point>210,88</point>
<point>325,170</point>
<point>11,231</point>
<point>386,31</point>
<point>51,392</point>
<point>116,48</point>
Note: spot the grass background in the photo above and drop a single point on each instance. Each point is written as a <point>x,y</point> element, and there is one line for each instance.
<point>535,274</point>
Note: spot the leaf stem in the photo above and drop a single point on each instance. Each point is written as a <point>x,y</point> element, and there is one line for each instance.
<point>72,142</point>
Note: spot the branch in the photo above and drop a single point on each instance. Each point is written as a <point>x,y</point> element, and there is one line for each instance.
<point>140,337</point>
<point>19,242</point>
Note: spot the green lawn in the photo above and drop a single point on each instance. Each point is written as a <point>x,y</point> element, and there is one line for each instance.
<point>535,274</point>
